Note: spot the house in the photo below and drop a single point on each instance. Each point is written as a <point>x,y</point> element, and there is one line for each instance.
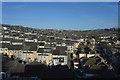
<point>44,56</point>
<point>41,44</point>
<point>70,49</point>
<point>76,63</point>
<point>51,45</point>
<point>72,45</point>
<point>28,56</point>
<point>16,42</point>
<point>42,38</point>
<point>6,40</point>
<point>4,28</point>
<point>76,43</point>
<point>85,51</point>
<point>61,43</point>
<point>61,48</point>
<point>4,50</point>
<point>28,53</point>
<point>6,32</point>
<point>86,55</point>
<point>29,40</point>
<point>13,50</point>
<point>95,64</point>
<point>28,45</point>
<point>4,44</point>
<point>60,56</point>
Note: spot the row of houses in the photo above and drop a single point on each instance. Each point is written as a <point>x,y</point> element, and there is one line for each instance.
<point>32,52</point>
<point>29,46</point>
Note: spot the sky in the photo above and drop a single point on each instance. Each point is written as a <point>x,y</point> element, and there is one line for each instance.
<point>61,15</point>
<point>60,0</point>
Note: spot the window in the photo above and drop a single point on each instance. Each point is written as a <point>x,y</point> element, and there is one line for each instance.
<point>1,49</point>
<point>61,60</point>
<point>5,49</point>
<point>41,44</point>
<point>47,50</point>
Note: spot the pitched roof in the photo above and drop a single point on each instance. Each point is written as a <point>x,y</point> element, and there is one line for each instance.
<point>4,45</point>
<point>29,46</point>
<point>44,50</point>
<point>59,52</point>
<point>49,45</point>
<point>15,47</point>
<point>33,48</point>
<point>7,39</point>
<point>16,40</point>
<point>62,48</point>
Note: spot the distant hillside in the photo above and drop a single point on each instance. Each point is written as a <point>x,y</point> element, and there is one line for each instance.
<point>18,26</point>
<point>67,32</point>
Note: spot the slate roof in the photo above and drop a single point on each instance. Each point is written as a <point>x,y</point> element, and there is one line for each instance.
<point>41,44</point>
<point>29,46</point>
<point>33,48</point>
<point>7,39</point>
<point>59,52</point>
<point>15,47</point>
<point>62,48</point>
<point>49,45</point>
<point>16,40</point>
<point>29,43</point>
<point>4,45</point>
<point>44,50</point>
